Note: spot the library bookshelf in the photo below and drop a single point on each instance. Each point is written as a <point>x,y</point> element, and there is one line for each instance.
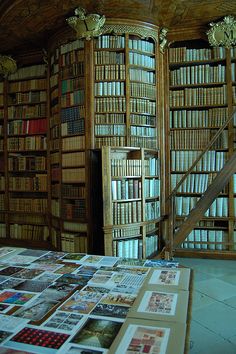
<point>131,199</point>
<point>25,201</point>
<point>201,91</point>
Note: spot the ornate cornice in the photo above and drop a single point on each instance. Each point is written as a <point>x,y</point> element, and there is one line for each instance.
<point>130,29</point>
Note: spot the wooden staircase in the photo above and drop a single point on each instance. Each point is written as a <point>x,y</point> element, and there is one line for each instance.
<point>176,236</point>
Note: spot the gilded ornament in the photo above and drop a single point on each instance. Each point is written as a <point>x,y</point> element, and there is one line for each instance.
<point>223,33</point>
<point>7,65</point>
<point>86,26</point>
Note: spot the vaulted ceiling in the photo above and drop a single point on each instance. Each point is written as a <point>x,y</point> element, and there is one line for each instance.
<point>30,23</point>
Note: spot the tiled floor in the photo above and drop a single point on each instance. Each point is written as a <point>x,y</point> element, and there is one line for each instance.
<point>213,324</point>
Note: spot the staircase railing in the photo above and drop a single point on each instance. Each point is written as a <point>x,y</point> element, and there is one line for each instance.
<point>168,249</point>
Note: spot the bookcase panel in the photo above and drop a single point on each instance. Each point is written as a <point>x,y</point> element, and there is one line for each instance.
<point>199,105</point>
<point>131,195</point>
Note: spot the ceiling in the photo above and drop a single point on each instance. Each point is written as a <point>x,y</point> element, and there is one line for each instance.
<point>30,23</point>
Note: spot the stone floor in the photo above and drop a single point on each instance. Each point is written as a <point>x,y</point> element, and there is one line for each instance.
<point>213,323</point>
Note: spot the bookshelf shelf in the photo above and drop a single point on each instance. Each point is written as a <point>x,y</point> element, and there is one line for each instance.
<point>201,71</point>
<point>126,218</point>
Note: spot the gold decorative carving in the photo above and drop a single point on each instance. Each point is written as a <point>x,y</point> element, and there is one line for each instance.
<point>86,26</point>
<point>163,39</point>
<point>223,33</point>
<point>121,29</point>
<point>7,65</point>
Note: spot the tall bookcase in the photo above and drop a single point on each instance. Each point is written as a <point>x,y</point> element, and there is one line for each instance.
<point>26,156</point>
<point>200,101</point>
<point>2,164</point>
<point>131,199</point>
<point>125,91</point>
<point>69,181</point>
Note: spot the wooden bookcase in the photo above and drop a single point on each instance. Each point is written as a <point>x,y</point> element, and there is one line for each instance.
<point>131,201</point>
<point>25,141</point>
<point>2,163</point>
<point>200,89</point>
<point>69,187</point>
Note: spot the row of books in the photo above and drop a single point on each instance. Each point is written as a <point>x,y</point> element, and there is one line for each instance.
<point>141,45</point>
<point>112,118</point>
<point>73,159</point>
<point>3,230</point>
<point>74,70</point>
<point>111,88</point>
<point>152,210</point>
<point>113,104</point>
<point>74,210</point>
<point>207,240</point>
<point>79,227</point>
<point>1,87</point>
<point>199,96</point>
<point>55,132</point>
<point>151,187</point>
<point>109,41</point>
<point>146,142</point>
<point>142,60</point>
<point>28,143</point>
<point>183,54</point>
<point>233,71</point>
<point>133,248</point>
<point>127,212</point>
<point>110,129</point>
<point>55,174</point>
<point>143,90</point>
<point>211,161</point>
<point>72,113</point>
<point>198,74</point>
<point>73,98</point>
<point>107,57</point>
<point>126,189</point>
<point>73,143</point>
<point>73,84</point>
<point>37,183</point>
<point>194,183</point>
<point>72,57</point>
<point>197,139</point>
<point>142,106</point>
<point>110,72</point>
<point>143,131</point>
<point>71,46</point>
<point>126,167</point>
<point>213,117</point>
<point>34,111</point>
<point>73,191</point>
<point>33,205</point>
<point>126,232</point>
<point>29,232</point>
<point>73,175</point>
<point>26,163</point>
<point>27,97</point>
<point>2,183</point>
<point>54,80</point>
<point>110,141</point>
<point>55,208</point>
<point>142,76</point>
<point>2,202</point>
<point>35,126</point>
<point>27,85</point>
<point>219,208</point>
<point>1,113</point>
<point>73,243</point>
<point>1,100</point>
<point>141,119</point>
<point>54,96</point>
<point>28,72</point>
